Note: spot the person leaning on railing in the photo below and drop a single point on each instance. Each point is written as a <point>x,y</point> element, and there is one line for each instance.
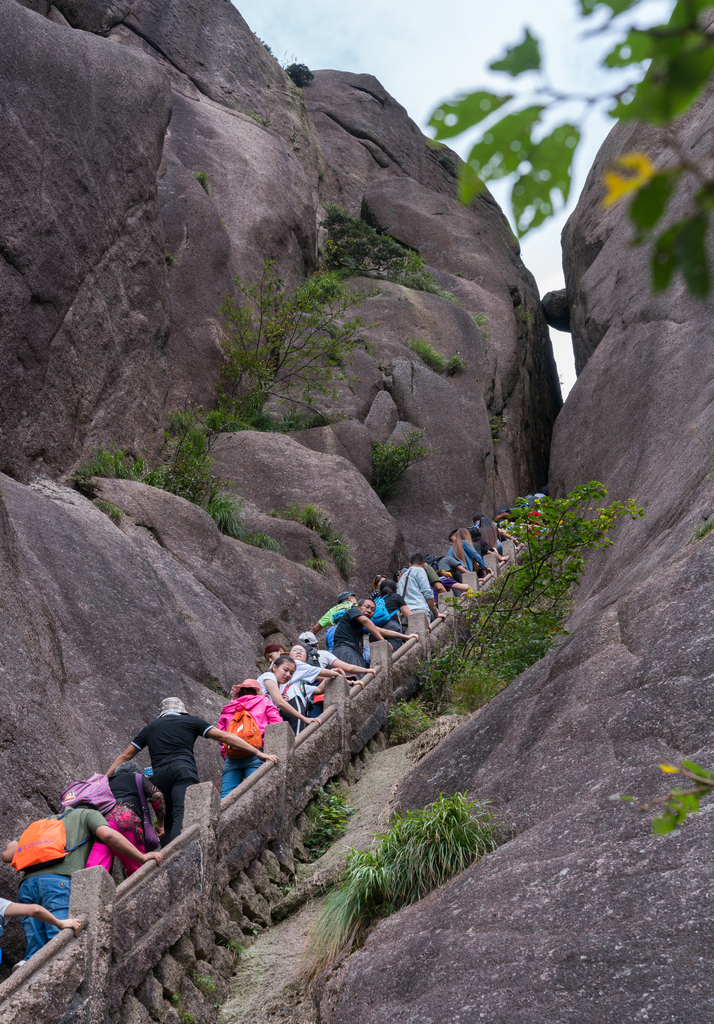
<point>170,739</point>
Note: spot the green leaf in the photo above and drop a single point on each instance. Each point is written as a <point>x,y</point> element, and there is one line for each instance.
<point>682,62</point>
<point>634,49</point>
<point>505,145</point>
<point>663,824</point>
<point>697,769</point>
<point>453,118</point>
<point>550,160</point>
<point>682,247</point>
<point>647,207</point>
<point>614,6</point>
<point>518,59</point>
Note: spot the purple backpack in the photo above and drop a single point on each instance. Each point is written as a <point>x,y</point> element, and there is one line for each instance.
<point>94,792</point>
<point>151,840</point>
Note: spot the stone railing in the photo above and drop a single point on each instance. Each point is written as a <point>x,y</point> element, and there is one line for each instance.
<point>155,935</point>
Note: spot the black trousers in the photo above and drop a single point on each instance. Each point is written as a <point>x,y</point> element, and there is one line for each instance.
<point>173,783</point>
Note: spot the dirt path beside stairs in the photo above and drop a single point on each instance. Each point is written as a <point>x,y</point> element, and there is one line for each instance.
<point>267,987</point>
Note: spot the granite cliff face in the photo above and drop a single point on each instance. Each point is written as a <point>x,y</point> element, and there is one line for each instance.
<point>585,915</point>
<point>113,262</point>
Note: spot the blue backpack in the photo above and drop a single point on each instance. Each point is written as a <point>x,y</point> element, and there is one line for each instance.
<point>381,616</point>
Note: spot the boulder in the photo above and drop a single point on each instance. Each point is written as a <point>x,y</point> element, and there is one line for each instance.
<point>350,439</point>
<point>556,310</point>
<point>82,275</point>
<point>272,471</point>
<point>100,622</point>
<point>585,914</point>
<point>365,134</point>
<point>382,417</point>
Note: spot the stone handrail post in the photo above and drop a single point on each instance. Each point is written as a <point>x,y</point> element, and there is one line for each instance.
<point>381,662</point>
<point>337,693</point>
<point>280,739</point>
<point>471,580</point>
<point>95,888</point>
<point>203,807</point>
<point>418,622</point>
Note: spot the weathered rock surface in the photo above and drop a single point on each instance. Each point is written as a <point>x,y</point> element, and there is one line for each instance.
<point>365,135</point>
<point>271,471</point>
<point>556,310</point>
<point>100,622</point>
<point>586,915</point>
<point>82,271</point>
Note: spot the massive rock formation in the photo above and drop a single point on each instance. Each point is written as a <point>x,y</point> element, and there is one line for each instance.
<point>586,915</point>
<point>114,260</point>
<point>82,274</point>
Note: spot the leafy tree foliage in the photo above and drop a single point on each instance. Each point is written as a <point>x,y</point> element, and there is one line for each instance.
<point>284,346</point>
<point>670,65</point>
<point>517,620</point>
<point>391,460</point>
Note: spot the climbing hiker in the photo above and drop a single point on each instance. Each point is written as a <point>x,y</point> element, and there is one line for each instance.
<point>23,910</point>
<point>247,699</point>
<point>170,739</point>
<point>466,554</point>
<point>331,616</point>
<point>414,586</point>
<point>130,816</point>
<point>277,684</point>
<point>349,635</point>
<point>49,852</point>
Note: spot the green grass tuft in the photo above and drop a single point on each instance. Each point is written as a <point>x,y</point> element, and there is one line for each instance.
<point>202,179</point>
<point>407,719</point>
<point>316,519</point>
<point>115,513</point>
<point>428,354</point>
<point>421,851</point>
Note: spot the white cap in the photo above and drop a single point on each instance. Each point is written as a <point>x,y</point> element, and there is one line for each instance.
<point>308,637</point>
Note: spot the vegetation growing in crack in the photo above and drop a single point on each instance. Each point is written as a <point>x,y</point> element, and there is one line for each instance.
<point>354,247</point>
<point>406,720</point>
<point>328,816</point>
<point>419,852</point>
<point>316,519</point>
<point>391,460</point>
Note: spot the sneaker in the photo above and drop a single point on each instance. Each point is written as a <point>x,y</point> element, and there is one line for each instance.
<point>19,963</point>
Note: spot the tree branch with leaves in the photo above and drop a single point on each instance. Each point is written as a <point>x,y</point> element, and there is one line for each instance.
<point>667,68</point>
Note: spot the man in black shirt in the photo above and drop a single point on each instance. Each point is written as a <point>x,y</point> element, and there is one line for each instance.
<point>170,739</point>
<point>350,631</point>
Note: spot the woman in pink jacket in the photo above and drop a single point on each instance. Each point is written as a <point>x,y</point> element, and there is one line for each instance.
<point>248,696</point>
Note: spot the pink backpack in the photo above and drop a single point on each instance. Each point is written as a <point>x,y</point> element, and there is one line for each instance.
<point>94,792</point>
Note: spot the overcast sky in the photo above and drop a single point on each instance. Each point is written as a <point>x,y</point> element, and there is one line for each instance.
<point>424,51</point>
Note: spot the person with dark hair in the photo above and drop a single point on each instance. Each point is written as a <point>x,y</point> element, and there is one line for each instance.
<point>395,605</point>
<point>414,586</point>
<point>127,816</point>
<point>170,739</point>
<point>349,635</point>
<point>332,615</point>
<point>289,698</point>
<point>489,535</point>
<point>375,587</point>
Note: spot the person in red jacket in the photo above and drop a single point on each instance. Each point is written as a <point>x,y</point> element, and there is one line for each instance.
<point>249,696</point>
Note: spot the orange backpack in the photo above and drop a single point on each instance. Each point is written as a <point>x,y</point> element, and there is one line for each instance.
<point>43,841</point>
<point>245,727</point>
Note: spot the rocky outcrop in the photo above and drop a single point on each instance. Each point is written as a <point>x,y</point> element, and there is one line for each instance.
<point>585,914</point>
<point>101,621</point>
<point>271,471</point>
<point>82,272</point>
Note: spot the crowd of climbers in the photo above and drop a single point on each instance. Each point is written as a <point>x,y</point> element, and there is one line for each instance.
<point>132,812</point>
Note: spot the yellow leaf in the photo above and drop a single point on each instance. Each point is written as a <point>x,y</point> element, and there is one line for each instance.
<point>636,169</point>
<point>669,769</point>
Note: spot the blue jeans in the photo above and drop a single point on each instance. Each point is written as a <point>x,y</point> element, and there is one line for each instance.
<point>52,893</point>
<point>236,769</point>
